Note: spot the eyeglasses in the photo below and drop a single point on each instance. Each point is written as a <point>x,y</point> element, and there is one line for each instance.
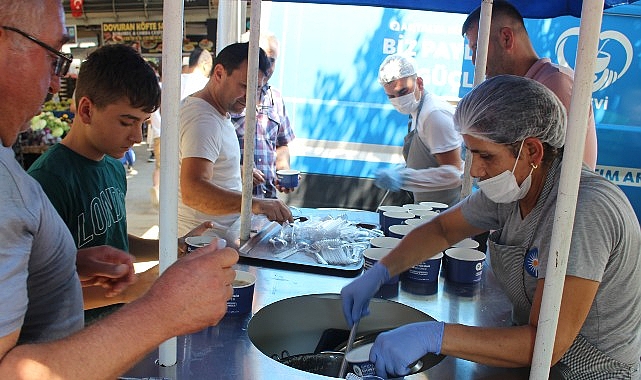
<point>62,62</point>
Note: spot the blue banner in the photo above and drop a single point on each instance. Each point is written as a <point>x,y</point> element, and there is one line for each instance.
<point>345,126</point>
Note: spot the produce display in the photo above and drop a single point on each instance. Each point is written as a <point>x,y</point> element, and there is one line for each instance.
<point>52,105</point>
<point>50,126</point>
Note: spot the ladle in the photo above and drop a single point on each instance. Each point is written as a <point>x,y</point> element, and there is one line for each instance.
<point>350,343</point>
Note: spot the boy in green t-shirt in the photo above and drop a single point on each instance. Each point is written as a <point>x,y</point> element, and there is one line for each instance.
<point>116,92</point>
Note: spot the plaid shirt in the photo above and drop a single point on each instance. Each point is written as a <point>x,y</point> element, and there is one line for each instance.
<point>272,131</point>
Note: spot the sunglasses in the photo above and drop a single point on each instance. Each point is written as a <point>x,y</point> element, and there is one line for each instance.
<point>62,62</point>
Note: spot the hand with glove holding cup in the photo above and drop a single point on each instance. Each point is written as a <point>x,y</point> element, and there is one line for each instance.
<point>395,352</point>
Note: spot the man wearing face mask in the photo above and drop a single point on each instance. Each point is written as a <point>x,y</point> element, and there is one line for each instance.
<point>432,146</point>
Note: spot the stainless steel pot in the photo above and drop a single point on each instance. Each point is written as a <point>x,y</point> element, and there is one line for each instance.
<point>297,324</point>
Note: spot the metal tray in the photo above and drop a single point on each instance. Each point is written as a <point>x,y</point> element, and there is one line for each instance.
<point>258,251</point>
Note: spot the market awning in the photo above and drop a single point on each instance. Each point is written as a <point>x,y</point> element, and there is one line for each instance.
<point>528,8</point>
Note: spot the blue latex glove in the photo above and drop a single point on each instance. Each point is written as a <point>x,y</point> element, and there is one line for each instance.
<point>356,295</point>
<point>389,179</point>
<point>396,350</point>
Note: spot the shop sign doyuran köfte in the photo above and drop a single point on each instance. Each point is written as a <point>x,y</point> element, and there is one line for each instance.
<point>345,126</point>
<point>144,36</point>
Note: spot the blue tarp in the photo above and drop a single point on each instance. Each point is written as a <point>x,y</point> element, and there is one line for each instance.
<point>528,8</point>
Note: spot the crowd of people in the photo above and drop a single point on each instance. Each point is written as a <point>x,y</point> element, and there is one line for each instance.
<point>66,247</point>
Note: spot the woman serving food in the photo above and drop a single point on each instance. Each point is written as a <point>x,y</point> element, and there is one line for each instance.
<point>515,129</point>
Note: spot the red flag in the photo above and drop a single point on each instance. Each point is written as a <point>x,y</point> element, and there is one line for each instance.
<point>76,8</point>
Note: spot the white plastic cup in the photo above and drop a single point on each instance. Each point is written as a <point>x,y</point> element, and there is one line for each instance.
<point>428,214</point>
<point>436,206</point>
<point>466,243</point>
<point>400,230</point>
<point>427,218</point>
<point>382,209</point>
<point>416,222</point>
<point>416,206</point>
<point>384,242</point>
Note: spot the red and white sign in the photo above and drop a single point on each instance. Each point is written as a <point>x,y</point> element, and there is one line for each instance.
<point>76,8</point>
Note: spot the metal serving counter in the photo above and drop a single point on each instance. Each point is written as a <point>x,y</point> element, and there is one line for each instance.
<point>226,352</point>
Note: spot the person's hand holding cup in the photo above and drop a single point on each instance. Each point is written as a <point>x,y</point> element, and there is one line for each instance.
<point>195,242</point>
<point>288,180</point>
<point>193,292</point>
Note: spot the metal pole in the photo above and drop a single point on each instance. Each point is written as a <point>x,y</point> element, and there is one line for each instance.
<point>250,122</point>
<point>479,76</point>
<point>228,28</point>
<point>173,12</point>
<point>591,16</point>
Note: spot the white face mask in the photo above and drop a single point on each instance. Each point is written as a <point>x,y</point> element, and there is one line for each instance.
<point>503,188</point>
<point>407,103</point>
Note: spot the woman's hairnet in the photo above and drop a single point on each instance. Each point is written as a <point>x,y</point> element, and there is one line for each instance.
<point>395,67</point>
<point>506,109</point>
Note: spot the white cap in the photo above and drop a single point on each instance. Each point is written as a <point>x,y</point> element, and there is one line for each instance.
<point>395,67</point>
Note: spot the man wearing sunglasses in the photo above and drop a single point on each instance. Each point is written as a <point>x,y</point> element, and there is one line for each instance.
<point>41,272</point>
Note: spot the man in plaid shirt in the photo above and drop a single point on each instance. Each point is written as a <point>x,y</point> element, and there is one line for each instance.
<point>273,132</point>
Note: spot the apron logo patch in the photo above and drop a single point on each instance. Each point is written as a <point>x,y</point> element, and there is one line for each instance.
<point>532,262</point>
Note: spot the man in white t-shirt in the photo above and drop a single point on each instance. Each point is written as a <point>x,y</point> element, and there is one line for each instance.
<point>210,177</point>
<point>197,72</point>
<point>432,147</point>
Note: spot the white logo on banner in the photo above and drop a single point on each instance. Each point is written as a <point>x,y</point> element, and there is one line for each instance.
<point>604,73</point>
